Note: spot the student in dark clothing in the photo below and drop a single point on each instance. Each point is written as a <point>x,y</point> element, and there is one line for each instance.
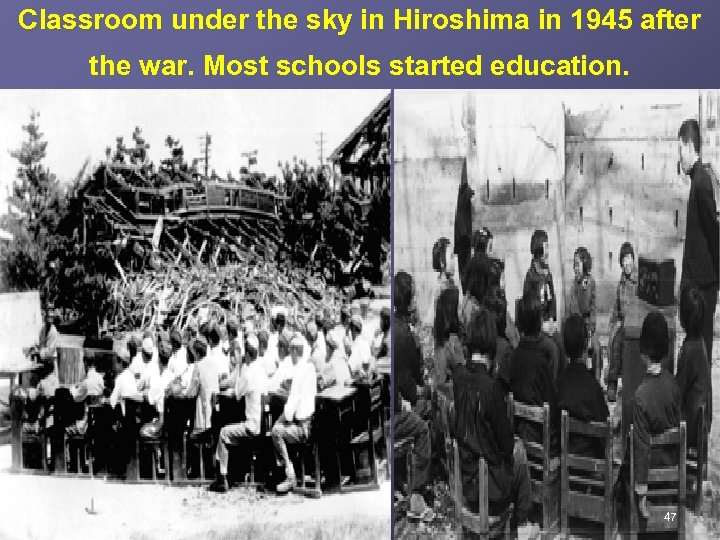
<point>579,392</point>
<point>407,373</point>
<point>539,282</point>
<point>448,348</point>
<point>655,405</point>
<point>483,428</point>
<point>626,291</point>
<point>693,371</point>
<point>478,275</point>
<point>479,270</point>
<point>538,279</point>
<point>582,299</point>
<point>496,303</point>
<point>403,295</point>
<point>528,375</point>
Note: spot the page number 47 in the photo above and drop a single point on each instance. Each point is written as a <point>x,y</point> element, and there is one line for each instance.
<point>670,516</point>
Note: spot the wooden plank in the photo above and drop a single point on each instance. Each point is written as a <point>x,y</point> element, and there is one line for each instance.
<point>590,507</point>
<point>670,437</point>
<point>591,429</point>
<point>585,463</point>
<point>533,449</point>
<point>663,474</point>
<point>585,481</point>
<point>662,492</point>
<point>528,412</point>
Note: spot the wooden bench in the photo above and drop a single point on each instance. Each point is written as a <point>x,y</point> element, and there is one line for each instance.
<point>545,491</point>
<point>587,483</point>
<point>664,516</point>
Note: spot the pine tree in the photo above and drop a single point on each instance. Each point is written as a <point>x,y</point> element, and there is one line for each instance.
<point>39,204</point>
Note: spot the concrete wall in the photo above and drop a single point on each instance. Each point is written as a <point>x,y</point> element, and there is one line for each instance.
<point>620,166</point>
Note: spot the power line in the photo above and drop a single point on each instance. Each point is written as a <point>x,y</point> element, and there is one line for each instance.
<point>321,144</point>
<point>205,142</point>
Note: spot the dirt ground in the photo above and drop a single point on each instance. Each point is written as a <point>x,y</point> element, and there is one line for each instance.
<point>52,508</point>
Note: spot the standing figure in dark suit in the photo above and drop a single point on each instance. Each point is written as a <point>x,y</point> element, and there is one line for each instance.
<point>700,252</point>
<point>463,227</point>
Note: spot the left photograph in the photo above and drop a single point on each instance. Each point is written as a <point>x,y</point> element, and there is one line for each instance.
<point>195,314</point>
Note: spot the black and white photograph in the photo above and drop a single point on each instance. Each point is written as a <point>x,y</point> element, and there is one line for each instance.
<point>195,314</point>
<point>555,261</point>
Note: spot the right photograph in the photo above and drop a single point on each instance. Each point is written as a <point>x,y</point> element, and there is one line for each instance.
<point>555,287</point>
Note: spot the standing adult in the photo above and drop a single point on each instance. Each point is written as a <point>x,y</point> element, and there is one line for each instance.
<point>463,227</point>
<point>700,252</point>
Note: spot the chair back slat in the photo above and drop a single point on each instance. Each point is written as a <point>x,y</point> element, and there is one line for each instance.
<point>589,429</point>
<point>531,413</point>
<point>663,474</point>
<point>658,480</point>
<point>586,482</point>
<point>671,437</point>
<point>544,491</point>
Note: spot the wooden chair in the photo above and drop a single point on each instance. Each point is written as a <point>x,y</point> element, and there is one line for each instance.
<point>258,443</point>
<point>301,451</point>
<point>157,443</point>
<point>481,522</point>
<point>404,448</point>
<point>664,516</point>
<point>545,492</point>
<point>205,442</point>
<point>697,464</point>
<point>28,438</point>
<point>179,419</point>
<point>80,444</point>
<point>370,411</point>
<point>445,407</point>
<point>587,483</point>
<point>128,435</point>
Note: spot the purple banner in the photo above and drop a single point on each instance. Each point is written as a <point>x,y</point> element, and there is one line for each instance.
<point>611,50</point>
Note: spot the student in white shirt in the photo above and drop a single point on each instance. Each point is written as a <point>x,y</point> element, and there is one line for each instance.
<point>135,345</point>
<point>125,385</point>
<point>150,365</point>
<point>249,383</point>
<point>285,369</point>
<point>178,360</point>
<point>204,385</point>
<point>157,383</point>
<point>235,343</point>
<point>92,385</point>
<point>293,426</point>
<point>318,349</point>
<point>267,360</point>
<point>336,370</point>
<point>381,345</point>
<point>361,361</point>
<point>340,330</point>
<point>216,355</point>
<point>277,325</point>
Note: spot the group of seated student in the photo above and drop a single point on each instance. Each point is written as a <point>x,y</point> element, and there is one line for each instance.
<point>476,349</point>
<point>296,359</point>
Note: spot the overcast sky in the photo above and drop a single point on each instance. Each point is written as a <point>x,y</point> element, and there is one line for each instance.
<point>80,124</point>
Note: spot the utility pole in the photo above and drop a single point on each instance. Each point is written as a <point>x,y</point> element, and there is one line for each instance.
<point>205,142</point>
<point>321,143</point>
